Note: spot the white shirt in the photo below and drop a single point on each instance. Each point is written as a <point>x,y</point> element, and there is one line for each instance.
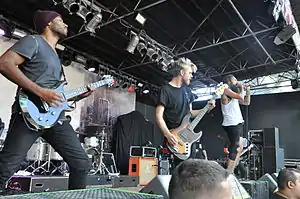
<point>232,114</point>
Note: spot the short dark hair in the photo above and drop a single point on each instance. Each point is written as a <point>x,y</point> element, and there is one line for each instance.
<point>196,177</point>
<point>228,78</point>
<point>286,175</point>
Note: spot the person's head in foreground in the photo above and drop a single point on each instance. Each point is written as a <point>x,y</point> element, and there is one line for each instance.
<point>200,179</point>
<point>288,181</point>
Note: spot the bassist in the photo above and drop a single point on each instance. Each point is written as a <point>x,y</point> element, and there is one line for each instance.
<point>175,99</point>
<point>33,64</point>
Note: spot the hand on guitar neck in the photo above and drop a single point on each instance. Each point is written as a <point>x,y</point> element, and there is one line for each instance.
<point>84,95</point>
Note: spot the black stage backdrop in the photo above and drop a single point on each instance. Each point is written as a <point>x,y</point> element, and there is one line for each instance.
<point>266,111</point>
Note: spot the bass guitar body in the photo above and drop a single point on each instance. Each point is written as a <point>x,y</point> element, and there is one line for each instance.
<point>185,137</point>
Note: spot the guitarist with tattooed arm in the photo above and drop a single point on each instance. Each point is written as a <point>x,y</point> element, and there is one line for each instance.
<point>33,64</point>
<point>175,100</point>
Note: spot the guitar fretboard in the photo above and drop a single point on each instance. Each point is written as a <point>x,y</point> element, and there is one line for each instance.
<point>200,115</point>
<point>78,91</point>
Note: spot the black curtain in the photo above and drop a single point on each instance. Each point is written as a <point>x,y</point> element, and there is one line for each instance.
<point>131,129</point>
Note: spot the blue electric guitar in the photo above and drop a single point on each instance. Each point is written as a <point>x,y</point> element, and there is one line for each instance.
<point>41,115</point>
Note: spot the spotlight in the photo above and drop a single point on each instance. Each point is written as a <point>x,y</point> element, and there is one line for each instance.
<point>140,18</point>
<point>133,42</point>
<point>5,29</point>
<point>2,32</point>
<point>146,91</point>
<point>125,85</point>
<point>72,6</point>
<point>295,83</point>
<point>85,14</point>
<point>92,25</point>
<point>161,56</point>
<point>142,48</point>
<point>152,53</point>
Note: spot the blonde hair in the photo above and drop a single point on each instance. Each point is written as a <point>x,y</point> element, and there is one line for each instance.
<point>181,64</point>
<point>184,63</point>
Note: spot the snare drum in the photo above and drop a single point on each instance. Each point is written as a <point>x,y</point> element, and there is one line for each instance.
<point>38,151</point>
<point>91,142</point>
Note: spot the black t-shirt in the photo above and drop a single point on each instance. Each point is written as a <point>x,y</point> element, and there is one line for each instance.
<point>176,102</point>
<point>276,196</point>
<point>42,65</point>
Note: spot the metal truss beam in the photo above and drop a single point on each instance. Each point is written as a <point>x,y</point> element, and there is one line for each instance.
<point>119,18</point>
<point>227,41</point>
<point>249,29</point>
<point>199,26</point>
<point>253,67</point>
<point>133,12</point>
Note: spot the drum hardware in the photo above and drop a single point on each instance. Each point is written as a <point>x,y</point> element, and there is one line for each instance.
<point>97,164</point>
<point>42,155</point>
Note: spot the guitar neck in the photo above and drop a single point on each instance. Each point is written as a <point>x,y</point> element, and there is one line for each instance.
<point>79,91</point>
<point>200,115</point>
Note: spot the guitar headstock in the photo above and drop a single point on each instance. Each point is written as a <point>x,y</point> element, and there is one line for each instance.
<point>220,88</point>
<point>109,80</point>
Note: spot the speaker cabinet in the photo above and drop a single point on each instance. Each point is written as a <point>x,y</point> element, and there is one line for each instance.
<point>273,159</point>
<point>159,185</point>
<point>145,168</point>
<point>271,137</point>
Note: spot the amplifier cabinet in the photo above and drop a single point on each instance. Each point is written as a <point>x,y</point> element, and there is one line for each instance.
<point>145,168</point>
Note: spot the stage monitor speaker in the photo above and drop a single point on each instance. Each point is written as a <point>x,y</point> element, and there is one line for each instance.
<point>273,159</point>
<point>257,189</point>
<point>271,137</point>
<point>238,191</point>
<point>272,183</point>
<point>159,185</point>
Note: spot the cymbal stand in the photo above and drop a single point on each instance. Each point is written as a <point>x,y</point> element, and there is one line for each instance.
<point>101,166</point>
<point>47,164</point>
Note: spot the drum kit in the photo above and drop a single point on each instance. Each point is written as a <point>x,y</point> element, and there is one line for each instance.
<point>43,159</point>
<point>94,147</point>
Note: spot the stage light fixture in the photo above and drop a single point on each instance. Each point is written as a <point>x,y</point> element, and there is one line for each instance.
<point>71,5</point>
<point>5,29</point>
<point>85,14</point>
<point>140,18</point>
<point>94,22</point>
<point>57,2</point>
<point>134,40</point>
<point>141,48</point>
<point>152,54</point>
<point>294,83</point>
<point>19,33</point>
<point>2,32</point>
